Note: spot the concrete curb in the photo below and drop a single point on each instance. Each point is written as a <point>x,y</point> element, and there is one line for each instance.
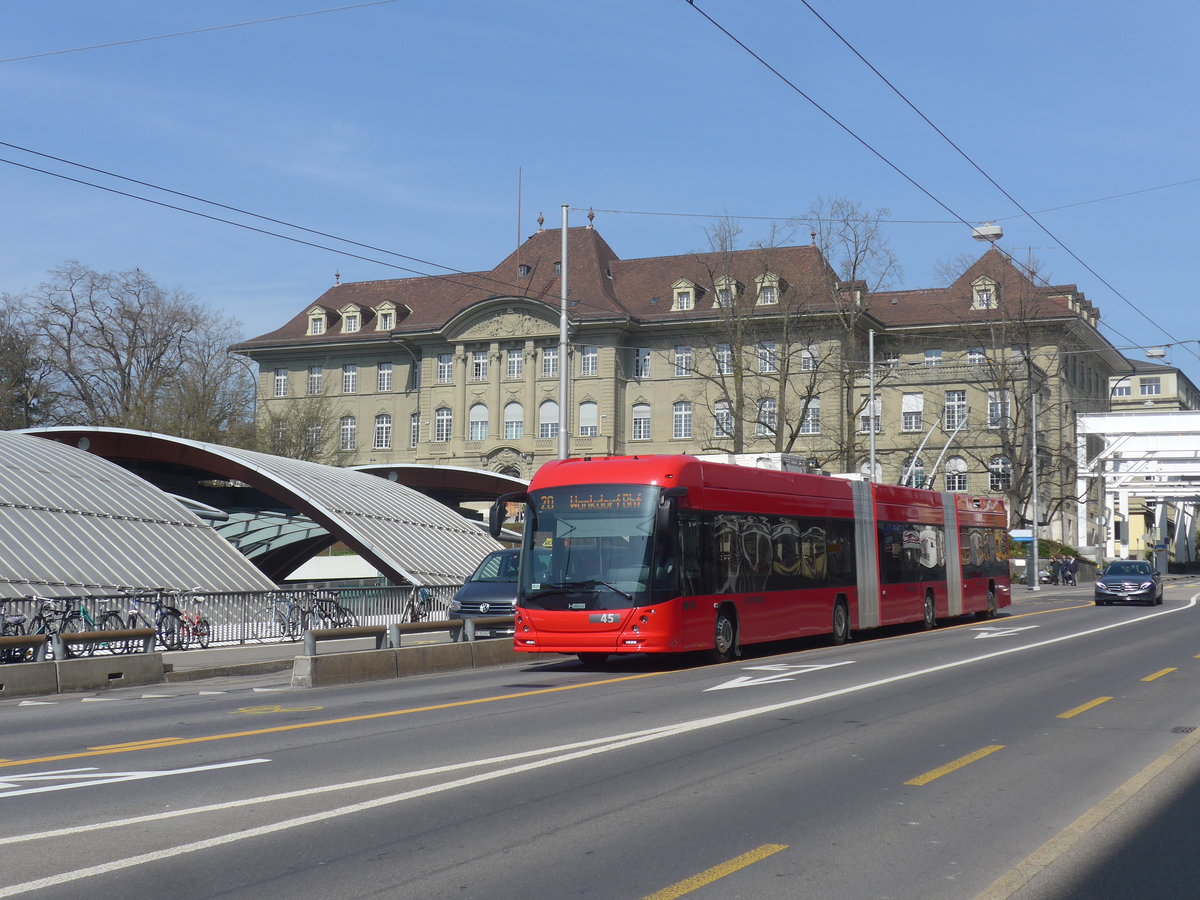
<point>373,665</point>
<point>265,667</point>
<point>97,673</point>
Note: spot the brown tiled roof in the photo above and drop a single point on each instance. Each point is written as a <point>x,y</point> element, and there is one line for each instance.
<point>1019,297</point>
<point>602,286</point>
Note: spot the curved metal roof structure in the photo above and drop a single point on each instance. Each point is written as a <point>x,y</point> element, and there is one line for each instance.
<point>451,485</point>
<point>74,524</point>
<point>406,535</point>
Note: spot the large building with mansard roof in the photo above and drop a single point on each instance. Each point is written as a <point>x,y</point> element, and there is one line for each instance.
<point>743,351</point>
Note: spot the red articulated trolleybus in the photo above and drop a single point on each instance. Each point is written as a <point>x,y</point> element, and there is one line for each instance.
<point>671,554</point>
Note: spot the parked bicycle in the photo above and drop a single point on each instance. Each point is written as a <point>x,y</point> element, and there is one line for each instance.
<point>283,617</point>
<point>167,620</point>
<point>58,616</point>
<point>322,610</point>
<point>194,626</point>
<point>12,624</point>
<point>418,606</point>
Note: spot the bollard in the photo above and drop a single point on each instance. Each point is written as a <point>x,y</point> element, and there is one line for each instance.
<point>310,644</point>
<point>468,629</point>
<point>393,636</point>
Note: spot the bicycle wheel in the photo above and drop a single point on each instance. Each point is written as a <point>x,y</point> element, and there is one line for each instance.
<point>168,630</point>
<point>344,618</point>
<point>72,623</point>
<point>185,633</point>
<point>203,631</point>
<point>112,621</point>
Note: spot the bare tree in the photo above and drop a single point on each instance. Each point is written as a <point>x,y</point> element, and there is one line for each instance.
<point>125,352</point>
<point>860,263</point>
<point>757,359</point>
<point>1014,355</point>
<point>24,372</point>
<point>304,428</point>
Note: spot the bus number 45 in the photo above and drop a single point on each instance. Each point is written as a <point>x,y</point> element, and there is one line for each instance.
<point>610,618</point>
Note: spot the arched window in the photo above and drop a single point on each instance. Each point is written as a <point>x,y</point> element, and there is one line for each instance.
<point>589,418</point>
<point>477,422</point>
<point>999,473</point>
<point>514,421</point>
<point>914,472</point>
<point>383,432</point>
<point>640,422</point>
<point>349,433</point>
<point>767,416</point>
<point>956,474</point>
<point>548,419</point>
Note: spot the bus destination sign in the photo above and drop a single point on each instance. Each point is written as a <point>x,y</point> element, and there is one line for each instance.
<point>600,500</point>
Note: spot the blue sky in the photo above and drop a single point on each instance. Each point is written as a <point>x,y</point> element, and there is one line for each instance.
<point>403,125</point>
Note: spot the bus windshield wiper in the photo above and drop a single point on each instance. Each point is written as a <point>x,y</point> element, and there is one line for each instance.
<point>593,582</point>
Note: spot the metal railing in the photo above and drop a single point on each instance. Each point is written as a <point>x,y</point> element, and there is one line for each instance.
<point>279,615</point>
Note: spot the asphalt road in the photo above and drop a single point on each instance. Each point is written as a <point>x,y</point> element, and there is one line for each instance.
<point>1046,753</point>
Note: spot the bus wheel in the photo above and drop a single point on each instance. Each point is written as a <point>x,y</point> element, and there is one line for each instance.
<point>930,613</point>
<point>592,659</point>
<point>841,622</point>
<point>725,638</point>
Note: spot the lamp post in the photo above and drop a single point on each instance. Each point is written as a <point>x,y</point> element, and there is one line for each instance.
<point>1033,579</point>
<point>563,381</point>
<point>871,398</point>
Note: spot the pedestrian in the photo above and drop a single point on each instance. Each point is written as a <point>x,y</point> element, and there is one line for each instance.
<point>1055,569</point>
<point>1069,567</point>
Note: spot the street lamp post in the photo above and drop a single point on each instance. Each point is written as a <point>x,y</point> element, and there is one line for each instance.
<point>563,380</point>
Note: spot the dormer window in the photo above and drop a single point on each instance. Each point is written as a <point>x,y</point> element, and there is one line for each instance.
<point>683,295</point>
<point>385,316</point>
<point>351,318</point>
<point>316,321</point>
<point>524,271</point>
<point>727,291</point>
<point>558,268</point>
<point>768,289</point>
<point>985,293</point>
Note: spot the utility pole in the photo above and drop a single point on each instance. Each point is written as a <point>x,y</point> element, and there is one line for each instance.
<point>563,381</point>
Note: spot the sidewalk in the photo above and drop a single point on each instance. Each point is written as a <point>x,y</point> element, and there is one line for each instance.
<point>263,658</point>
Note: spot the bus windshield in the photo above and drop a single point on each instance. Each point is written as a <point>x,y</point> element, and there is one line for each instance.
<point>590,547</point>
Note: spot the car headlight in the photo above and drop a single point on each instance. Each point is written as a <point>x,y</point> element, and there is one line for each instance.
<point>1101,586</point>
<point>1147,585</point>
<point>453,606</point>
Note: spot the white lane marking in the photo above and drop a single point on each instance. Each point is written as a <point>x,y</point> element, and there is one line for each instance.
<point>37,703</point>
<point>94,777</point>
<point>786,672</point>
<point>615,743</point>
<point>991,631</point>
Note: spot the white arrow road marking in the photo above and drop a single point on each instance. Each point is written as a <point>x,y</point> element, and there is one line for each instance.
<point>89,777</point>
<point>787,672</point>
<point>989,631</point>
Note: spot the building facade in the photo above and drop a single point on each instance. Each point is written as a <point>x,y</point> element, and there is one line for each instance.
<point>748,351</point>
